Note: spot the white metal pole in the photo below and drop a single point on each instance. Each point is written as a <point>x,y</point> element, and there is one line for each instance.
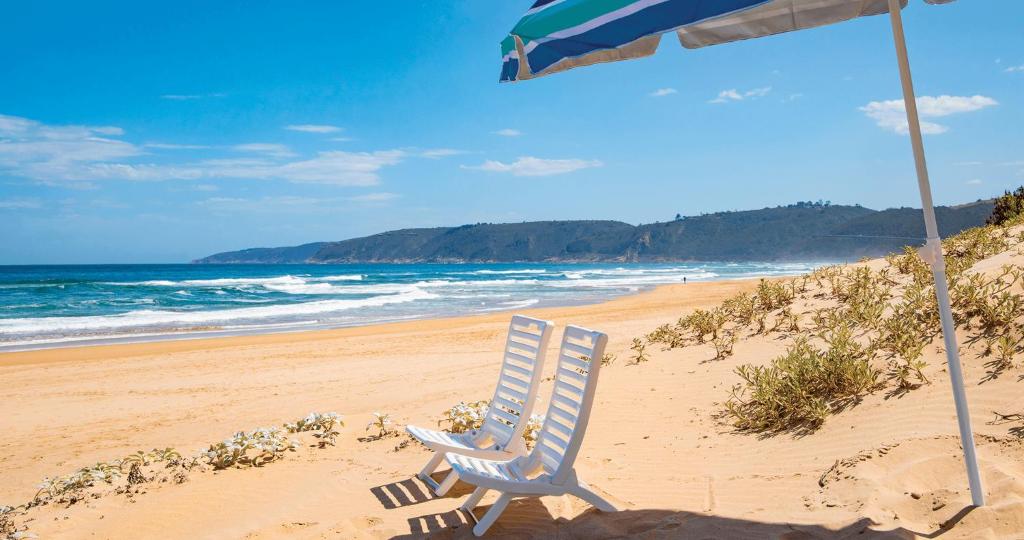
<point>932,253</point>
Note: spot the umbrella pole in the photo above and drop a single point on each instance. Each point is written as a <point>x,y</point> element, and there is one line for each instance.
<point>932,254</point>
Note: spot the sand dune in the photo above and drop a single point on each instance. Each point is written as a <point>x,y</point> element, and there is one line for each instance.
<point>657,445</point>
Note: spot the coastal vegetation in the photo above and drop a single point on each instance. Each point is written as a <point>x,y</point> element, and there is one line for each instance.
<point>128,476</point>
<point>854,330</point>
<point>1008,207</point>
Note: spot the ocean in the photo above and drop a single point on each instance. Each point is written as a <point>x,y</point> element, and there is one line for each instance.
<point>52,306</point>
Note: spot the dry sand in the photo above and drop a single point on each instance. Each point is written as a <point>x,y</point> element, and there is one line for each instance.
<point>656,444</point>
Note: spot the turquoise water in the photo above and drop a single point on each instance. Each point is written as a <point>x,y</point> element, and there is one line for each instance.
<point>47,306</point>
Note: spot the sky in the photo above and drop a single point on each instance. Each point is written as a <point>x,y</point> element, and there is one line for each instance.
<point>161,132</point>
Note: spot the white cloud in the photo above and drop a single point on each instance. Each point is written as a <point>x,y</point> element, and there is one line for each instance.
<point>19,204</point>
<point>270,149</point>
<point>206,187</point>
<point>291,203</point>
<point>76,156</point>
<point>733,94</point>
<point>758,92</point>
<point>374,197</point>
<point>169,146</point>
<point>891,114</point>
<point>662,92</point>
<point>283,203</point>
<point>435,153</point>
<point>50,153</point>
<point>532,166</point>
<point>508,132</point>
<point>313,128</point>
<point>1014,69</point>
<point>727,95</point>
<point>974,182</point>
<point>340,168</point>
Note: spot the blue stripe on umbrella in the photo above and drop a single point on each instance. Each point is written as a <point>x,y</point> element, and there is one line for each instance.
<point>656,19</point>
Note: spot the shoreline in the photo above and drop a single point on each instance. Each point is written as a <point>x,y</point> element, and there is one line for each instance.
<point>74,351</point>
<point>157,337</point>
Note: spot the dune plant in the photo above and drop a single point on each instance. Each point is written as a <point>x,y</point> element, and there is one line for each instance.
<point>607,359</point>
<point>1008,208</point>
<point>382,423</point>
<point>1003,349</point>
<point>702,323</point>
<point>52,488</point>
<point>465,416</point>
<point>532,429</point>
<point>773,295</point>
<point>250,448</point>
<point>7,526</point>
<point>799,389</point>
<point>724,344</point>
<point>639,351</point>
<point>668,335</point>
<point>741,308</point>
<point>323,424</point>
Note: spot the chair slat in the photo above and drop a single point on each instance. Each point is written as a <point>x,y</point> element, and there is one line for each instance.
<point>573,406</point>
<point>532,349</point>
<point>559,413</point>
<point>586,351</point>
<point>555,424</point>
<point>514,394</point>
<point>508,417</point>
<point>563,372</point>
<point>518,370</point>
<point>575,362</point>
<point>559,444</point>
<point>508,380</point>
<point>508,404</point>
<point>524,335</point>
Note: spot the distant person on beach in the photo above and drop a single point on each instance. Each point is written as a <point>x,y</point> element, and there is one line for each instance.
<point>684,280</point>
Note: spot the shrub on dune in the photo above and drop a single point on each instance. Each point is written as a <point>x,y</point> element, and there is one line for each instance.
<point>803,386</point>
<point>250,448</point>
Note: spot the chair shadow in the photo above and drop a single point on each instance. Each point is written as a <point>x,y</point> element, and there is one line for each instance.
<point>406,492</point>
<point>412,491</point>
<point>528,518</point>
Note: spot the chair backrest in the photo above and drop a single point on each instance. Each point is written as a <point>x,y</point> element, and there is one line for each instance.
<point>521,370</point>
<point>572,398</point>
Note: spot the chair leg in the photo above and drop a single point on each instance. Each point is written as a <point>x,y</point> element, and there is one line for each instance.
<point>489,518</point>
<point>447,483</point>
<point>473,499</point>
<point>431,466</point>
<point>583,491</point>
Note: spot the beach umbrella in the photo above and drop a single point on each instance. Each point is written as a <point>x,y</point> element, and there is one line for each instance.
<point>556,35</point>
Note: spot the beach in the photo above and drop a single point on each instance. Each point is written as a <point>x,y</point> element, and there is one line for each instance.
<point>657,445</point>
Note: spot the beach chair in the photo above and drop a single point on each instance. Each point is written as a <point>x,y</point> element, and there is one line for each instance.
<point>548,469</point>
<point>501,434</point>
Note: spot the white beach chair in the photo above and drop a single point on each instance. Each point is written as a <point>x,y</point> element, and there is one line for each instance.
<point>548,469</point>
<point>501,434</point>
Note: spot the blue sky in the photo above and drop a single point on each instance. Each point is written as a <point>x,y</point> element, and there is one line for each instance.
<point>145,132</point>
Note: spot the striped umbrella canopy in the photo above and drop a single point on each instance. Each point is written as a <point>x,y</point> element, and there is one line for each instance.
<point>557,35</point>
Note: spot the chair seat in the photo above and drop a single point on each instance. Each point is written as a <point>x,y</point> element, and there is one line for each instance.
<point>441,440</point>
<point>485,469</point>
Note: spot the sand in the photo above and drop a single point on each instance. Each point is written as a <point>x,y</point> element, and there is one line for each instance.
<point>657,445</point>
